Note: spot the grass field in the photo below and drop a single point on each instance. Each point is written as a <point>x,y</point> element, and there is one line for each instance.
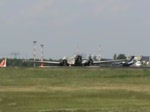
<point>74,90</point>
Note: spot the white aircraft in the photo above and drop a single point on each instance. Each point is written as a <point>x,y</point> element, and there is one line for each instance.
<point>138,64</point>
<point>132,62</point>
<point>3,63</point>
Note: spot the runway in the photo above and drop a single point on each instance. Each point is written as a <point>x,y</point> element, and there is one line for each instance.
<point>96,67</point>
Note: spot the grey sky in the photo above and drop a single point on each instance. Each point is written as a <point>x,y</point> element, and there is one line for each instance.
<point>119,26</point>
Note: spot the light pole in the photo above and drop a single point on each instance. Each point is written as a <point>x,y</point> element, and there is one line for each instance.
<point>42,55</point>
<point>34,51</point>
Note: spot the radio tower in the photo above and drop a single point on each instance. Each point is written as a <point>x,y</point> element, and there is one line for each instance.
<point>34,51</point>
<point>42,55</point>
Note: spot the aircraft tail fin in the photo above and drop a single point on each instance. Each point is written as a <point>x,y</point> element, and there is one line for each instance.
<point>3,63</point>
<point>42,65</point>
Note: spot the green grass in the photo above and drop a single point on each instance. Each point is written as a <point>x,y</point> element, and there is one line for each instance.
<point>74,90</point>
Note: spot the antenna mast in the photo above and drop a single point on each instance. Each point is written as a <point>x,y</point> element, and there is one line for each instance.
<point>42,55</point>
<point>34,51</point>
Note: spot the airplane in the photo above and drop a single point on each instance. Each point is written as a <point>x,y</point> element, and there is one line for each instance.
<point>76,60</point>
<point>131,62</point>
<point>91,61</point>
<point>3,63</point>
<point>127,62</point>
<point>136,62</point>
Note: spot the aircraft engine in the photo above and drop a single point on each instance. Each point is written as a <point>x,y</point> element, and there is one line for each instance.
<point>65,62</point>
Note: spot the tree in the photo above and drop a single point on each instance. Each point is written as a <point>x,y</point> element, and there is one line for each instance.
<point>121,56</point>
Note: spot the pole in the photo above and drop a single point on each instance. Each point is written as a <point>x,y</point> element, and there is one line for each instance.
<point>42,55</point>
<point>34,52</point>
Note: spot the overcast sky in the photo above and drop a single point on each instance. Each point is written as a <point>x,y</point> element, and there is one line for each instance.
<point>119,26</point>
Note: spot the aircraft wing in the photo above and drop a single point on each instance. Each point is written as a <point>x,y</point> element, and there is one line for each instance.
<point>107,61</point>
<point>48,62</point>
<point>45,62</point>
